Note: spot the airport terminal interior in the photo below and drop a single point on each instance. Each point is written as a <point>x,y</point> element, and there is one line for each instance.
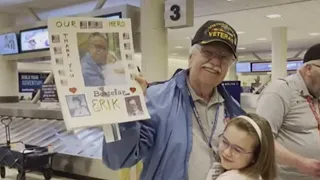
<point>273,38</point>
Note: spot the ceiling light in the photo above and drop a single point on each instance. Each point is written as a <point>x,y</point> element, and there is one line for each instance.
<point>174,54</point>
<point>178,47</point>
<point>240,57</point>
<point>242,48</point>
<point>229,0</point>
<point>273,16</point>
<point>314,34</point>
<point>189,38</point>
<point>262,39</point>
<point>240,32</point>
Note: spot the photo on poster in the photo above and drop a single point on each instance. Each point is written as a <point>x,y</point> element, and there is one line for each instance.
<point>99,25</point>
<point>131,66</point>
<point>127,46</point>
<point>129,57</point>
<point>132,77</point>
<point>100,59</point>
<point>64,82</point>
<point>126,36</point>
<point>62,72</point>
<point>133,105</point>
<point>55,38</point>
<point>77,105</point>
<point>59,61</point>
<point>92,25</point>
<point>57,50</point>
<point>83,24</point>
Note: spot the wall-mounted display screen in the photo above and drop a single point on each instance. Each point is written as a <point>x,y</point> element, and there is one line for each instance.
<point>8,44</point>
<point>294,65</point>
<point>261,67</point>
<point>34,39</point>
<point>242,67</point>
<point>266,67</point>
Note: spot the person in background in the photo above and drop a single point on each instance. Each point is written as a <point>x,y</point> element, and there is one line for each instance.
<point>93,62</point>
<point>246,149</point>
<point>291,105</point>
<point>188,112</point>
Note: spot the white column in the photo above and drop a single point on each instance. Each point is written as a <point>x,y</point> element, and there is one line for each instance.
<point>9,89</point>
<point>232,73</point>
<point>154,47</point>
<point>279,52</point>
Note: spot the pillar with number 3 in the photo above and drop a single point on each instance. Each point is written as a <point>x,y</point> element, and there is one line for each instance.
<point>179,13</point>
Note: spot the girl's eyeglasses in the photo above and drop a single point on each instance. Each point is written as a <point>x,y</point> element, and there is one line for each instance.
<point>236,151</point>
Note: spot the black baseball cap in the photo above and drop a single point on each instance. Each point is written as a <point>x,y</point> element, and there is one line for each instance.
<point>312,53</point>
<point>213,31</point>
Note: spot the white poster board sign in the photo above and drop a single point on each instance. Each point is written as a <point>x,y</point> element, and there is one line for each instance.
<point>93,70</point>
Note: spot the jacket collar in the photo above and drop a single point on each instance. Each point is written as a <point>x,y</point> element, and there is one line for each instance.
<point>233,108</point>
<point>215,98</point>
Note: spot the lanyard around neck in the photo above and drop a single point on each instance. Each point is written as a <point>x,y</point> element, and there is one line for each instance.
<point>196,114</point>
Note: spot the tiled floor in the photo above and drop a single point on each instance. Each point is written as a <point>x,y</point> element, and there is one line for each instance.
<point>11,174</point>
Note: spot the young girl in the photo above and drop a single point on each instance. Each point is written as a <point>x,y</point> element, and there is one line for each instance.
<point>246,149</point>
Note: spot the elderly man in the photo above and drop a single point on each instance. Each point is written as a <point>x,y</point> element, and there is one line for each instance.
<point>188,113</point>
<point>291,105</point>
<point>95,59</point>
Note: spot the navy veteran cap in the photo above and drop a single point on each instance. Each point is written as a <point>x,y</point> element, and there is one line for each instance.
<point>213,31</point>
<point>313,53</point>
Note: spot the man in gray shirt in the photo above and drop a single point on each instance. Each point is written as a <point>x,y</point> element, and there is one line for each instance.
<point>291,105</point>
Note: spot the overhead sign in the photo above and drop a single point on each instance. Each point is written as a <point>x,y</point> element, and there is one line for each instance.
<point>28,82</point>
<point>179,13</point>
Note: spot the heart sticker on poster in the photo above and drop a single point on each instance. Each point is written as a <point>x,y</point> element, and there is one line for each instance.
<point>73,90</point>
<point>133,89</point>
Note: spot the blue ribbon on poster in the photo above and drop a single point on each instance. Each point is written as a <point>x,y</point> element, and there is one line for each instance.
<point>28,82</point>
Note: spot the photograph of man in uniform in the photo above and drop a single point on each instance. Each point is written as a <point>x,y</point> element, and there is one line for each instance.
<point>133,105</point>
<point>78,106</point>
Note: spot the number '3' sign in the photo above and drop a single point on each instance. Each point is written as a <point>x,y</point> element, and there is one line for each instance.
<point>178,13</point>
<point>176,10</point>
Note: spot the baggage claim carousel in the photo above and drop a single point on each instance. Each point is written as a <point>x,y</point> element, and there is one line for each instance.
<point>79,152</point>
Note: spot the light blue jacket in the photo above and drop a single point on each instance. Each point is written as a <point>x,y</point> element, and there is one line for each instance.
<point>91,71</point>
<point>163,142</point>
